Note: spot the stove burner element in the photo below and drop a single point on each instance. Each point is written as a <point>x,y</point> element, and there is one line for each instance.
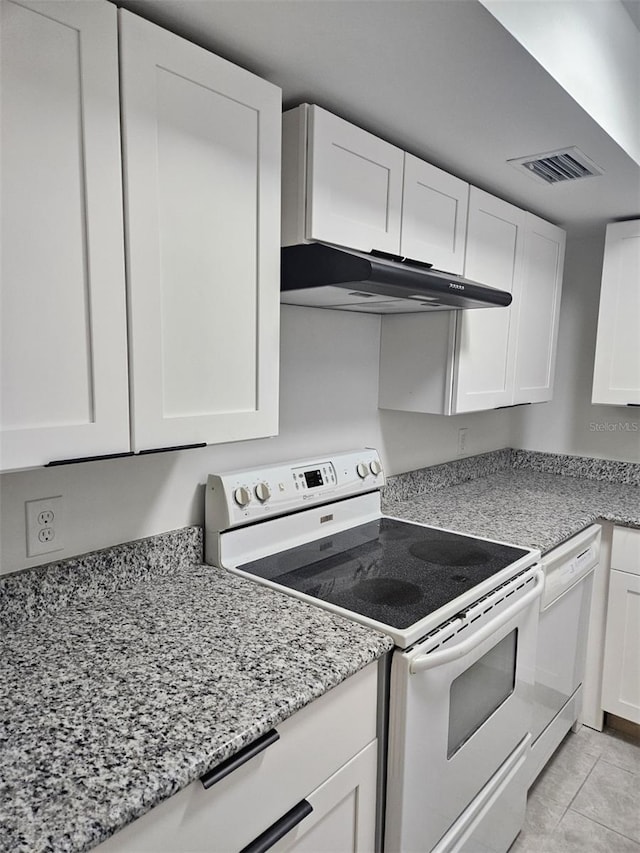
<point>450,553</point>
<point>388,591</point>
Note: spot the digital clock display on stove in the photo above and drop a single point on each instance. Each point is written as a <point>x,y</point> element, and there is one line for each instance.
<point>313,478</point>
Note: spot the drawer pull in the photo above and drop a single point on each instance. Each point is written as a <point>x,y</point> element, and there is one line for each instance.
<point>212,776</point>
<point>279,829</point>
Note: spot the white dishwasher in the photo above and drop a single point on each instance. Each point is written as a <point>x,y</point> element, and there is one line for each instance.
<point>562,643</point>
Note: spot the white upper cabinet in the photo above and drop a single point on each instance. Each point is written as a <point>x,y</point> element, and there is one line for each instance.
<point>202,177</point>
<point>63,330</point>
<point>539,311</point>
<point>473,360</point>
<point>434,216</point>
<point>616,376</point>
<point>201,161</point>
<point>486,337</point>
<point>344,186</point>
<point>341,184</point>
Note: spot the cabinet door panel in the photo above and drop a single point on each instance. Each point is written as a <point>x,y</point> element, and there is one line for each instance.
<point>539,311</point>
<point>344,811</point>
<point>354,185</point>
<point>486,337</point>
<point>64,367</point>
<point>616,378</point>
<point>621,671</point>
<point>202,192</point>
<point>434,216</point>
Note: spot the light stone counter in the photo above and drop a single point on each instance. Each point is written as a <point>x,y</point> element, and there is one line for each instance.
<point>120,691</point>
<point>516,497</point>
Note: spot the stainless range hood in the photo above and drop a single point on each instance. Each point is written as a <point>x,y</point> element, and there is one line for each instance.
<point>330,277</point>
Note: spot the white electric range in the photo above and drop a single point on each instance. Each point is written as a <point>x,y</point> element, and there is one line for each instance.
<point>463,614</point>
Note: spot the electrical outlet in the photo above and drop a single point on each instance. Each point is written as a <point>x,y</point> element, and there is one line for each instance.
<point>462,440</point>
<point>44,526</point>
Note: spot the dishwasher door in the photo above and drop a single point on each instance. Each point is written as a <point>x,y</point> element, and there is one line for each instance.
<point>562,635</point>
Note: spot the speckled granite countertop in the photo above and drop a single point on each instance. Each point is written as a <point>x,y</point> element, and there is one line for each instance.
<point>513,497</point>
<point>111,703</point>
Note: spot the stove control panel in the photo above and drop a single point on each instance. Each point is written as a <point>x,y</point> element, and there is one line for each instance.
<point>241,497</point>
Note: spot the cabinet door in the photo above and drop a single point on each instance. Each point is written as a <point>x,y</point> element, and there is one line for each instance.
<point>344,811</point>
<point>486,337</point>
<point>539,311</point>
<point>621,672</point>
<point>63,326</point>
<point>434,216</point>
<point>202,179</point>
<point>354,185</point>
<point>616,376</point>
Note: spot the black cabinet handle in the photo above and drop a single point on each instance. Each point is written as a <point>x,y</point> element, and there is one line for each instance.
<point>279,829</point>
<point>79,459</point>
<point>212,776</point>
<point>172,447</point>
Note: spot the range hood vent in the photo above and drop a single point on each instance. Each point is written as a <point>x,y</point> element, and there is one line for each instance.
<point>330,277</point>
<point>566,164</point>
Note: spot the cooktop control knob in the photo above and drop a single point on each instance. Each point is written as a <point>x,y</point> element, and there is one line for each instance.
<point>242,496</point>
<point>263,492</point>
<point>375,467</point>
<point>362,470</point>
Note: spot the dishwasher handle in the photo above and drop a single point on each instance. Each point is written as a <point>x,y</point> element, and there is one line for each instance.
<point>433,659</point>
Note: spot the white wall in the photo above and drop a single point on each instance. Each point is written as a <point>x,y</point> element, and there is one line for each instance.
<point>592,49</point>
<point>412,440</point>
<point>570,424</point>
<point>329,393</point>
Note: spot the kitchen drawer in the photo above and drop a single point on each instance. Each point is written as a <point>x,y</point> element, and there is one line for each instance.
<point>625,550</point>
<point>314,743</point>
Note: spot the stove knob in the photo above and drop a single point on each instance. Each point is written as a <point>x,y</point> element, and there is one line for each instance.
<point>262,492</point>
<point>375,467</point>
<point>362,470</point>
<point>242,496</point>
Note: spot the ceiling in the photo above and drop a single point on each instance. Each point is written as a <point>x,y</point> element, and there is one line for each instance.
<point>439,78</point>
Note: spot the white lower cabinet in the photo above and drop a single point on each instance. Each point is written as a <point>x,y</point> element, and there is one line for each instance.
<point>621,671</point>
<point>325,758</point>
<point>344,810</point>
<point>464,361</point>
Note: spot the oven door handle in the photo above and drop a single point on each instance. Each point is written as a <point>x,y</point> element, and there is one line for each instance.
<point>433,659</point>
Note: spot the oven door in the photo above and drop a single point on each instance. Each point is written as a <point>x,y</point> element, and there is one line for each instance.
<point>460,704</point>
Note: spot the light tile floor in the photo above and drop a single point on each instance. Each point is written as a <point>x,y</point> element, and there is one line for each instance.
<point>587,799</point>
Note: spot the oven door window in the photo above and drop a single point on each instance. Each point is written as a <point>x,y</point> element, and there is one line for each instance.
<point>480,690</point>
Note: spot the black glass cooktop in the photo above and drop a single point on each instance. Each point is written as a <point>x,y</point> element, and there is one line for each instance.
<point>387,570</point>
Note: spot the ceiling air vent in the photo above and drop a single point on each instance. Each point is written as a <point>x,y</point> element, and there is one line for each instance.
<point>567,164</point>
